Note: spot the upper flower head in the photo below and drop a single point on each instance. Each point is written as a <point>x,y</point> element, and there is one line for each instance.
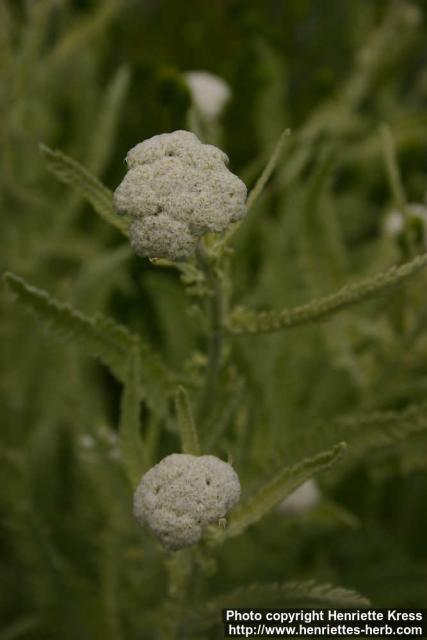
<point>176,190</point>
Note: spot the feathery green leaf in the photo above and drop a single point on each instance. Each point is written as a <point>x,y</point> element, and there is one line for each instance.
<point>104,134</point>
<point>268,170</point>
<point>187,428</point>
<point>85,30</point>
<point>99,337</point>
<point>392,167</point>
<point>22,628</point>
<point>362,432</point>
<point>99,276</point>
<point>73,174</point>
<point>243,320</point>
<point>287,594</point>
<point>130,439</point>
<point>256,506</point>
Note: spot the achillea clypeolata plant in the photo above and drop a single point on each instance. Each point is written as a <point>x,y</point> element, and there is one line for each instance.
<point>228,405</point>
<point>180,206</point>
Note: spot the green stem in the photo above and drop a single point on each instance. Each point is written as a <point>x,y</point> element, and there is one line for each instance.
<point>396,187</point>
<point>180,568</point>
<point>216,313</point>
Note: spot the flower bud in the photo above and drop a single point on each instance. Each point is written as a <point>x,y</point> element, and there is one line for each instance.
<point>303,499</point>
<point>176,190</point>
<point>183,493</point>
<point>209,93</point>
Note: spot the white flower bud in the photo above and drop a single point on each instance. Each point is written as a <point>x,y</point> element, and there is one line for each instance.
<point>394,223</point>
<point>210,93</point>
<point>176,190</point>
<point>181,494</point>
<point>303,499</point>
<point>86,441</point>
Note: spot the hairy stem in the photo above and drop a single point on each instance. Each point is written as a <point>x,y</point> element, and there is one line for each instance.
<point>216,313</point>
<point>180,568</point>
<point>397,189</point>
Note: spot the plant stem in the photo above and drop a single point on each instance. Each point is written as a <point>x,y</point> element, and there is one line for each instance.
<point>216,312</point>
<point>180,568</point>
<point>396,186</point>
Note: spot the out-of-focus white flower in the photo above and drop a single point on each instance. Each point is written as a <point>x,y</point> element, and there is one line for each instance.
<point>209,93</point>
<point>183,493</point>
<point>394,222</point>
<point>116,454</point>
<point>87,441</point>
<point>107,435</point>
<point>303,499</point>
<point>176,190</point>
<point>412,15</point>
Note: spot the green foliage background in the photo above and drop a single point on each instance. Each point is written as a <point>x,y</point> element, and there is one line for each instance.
<point>93,78</point>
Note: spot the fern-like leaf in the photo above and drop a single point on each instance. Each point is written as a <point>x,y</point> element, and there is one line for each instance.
<point>85,30</point>
<point>73,174</point>
<point>130,439</point>
<point>268,170</point>
<point>286,595</point>
<point>24,627</point>
<point>258,505</point>
<point>243,320</point>
<point>104,134</point>
<point>258,187</point>
<point>187,428</point>
<point>362,432</point>
<point>99,337</point>
<point>291,594</point>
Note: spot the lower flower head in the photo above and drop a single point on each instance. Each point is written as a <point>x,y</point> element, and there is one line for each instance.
<point>182,494</point>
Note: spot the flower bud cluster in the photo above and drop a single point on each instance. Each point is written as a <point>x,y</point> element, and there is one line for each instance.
<point>183,493</point>
<point>209,93</point>
<point>176,190</point>
<point>303,499</point>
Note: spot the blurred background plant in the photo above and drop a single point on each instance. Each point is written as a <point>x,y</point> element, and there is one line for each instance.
<point>93,78</point>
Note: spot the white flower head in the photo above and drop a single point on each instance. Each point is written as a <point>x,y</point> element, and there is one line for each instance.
<point>176,190</point>
<point>394,223</point>
<point>209,93</point>
<point>181,494</point>
<point>86,441</point>
<point>303,499</point>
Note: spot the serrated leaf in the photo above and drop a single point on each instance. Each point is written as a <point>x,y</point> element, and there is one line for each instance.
<point>73,174</point>
<point>246,321</point>
<point>362,432</point>
<point>100,276</point>
<point>291,594</point>
<point>187,428</point>
<point>99,337</point>
<point>258,187</point>
<point>21,628</point>
<point>392,167</point>
<point>86,29</point>
<point>258,505</point>
<point>268,170</point>
<point>130,438</point>
<point>104,134</point>
<point>306,594</point>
